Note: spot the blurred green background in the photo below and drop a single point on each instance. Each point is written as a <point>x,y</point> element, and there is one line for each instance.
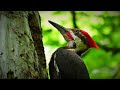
<point>104,28</point>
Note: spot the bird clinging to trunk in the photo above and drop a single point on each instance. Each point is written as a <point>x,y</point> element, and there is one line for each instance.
<point>66,62</point>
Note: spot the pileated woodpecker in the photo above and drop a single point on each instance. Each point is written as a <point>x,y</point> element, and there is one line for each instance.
<point>66,62</point>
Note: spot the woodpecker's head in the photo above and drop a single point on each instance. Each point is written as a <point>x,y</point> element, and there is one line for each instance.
<point>77,39</point>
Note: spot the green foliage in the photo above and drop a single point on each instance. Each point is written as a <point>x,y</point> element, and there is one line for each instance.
<point>103,26</point>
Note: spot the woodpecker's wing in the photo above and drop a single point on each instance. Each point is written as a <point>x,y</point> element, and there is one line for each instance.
<point>53,68</point>
<point>69,65</point>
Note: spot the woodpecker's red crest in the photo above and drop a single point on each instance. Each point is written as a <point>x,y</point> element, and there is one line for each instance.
<point>90,41</point>
<point>73,34</point>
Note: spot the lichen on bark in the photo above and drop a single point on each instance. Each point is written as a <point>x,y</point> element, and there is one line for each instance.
<point>19,57</point>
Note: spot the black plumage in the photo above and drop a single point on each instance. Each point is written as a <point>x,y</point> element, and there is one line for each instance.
<point>69,65</point>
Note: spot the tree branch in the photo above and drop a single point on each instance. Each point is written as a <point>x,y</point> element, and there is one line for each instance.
<point>74,19</point>
<point>113,49</point>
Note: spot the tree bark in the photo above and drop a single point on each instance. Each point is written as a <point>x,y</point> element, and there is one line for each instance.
<point>21,47</point>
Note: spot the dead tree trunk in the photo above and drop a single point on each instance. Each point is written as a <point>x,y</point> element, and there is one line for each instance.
<point>21,47</point>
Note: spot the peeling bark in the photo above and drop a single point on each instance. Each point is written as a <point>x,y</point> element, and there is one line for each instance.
<point>21,48</point>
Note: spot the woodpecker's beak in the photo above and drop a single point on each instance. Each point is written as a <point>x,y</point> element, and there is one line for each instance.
<point>61,29</point>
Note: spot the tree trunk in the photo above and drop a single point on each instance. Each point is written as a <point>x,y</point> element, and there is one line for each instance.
<point>21,47</point>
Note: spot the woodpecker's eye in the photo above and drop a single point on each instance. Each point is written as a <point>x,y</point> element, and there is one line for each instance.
<point>76,32</point>
<point>84,39</point>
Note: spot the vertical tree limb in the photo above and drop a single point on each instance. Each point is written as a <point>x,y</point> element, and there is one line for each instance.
<point>73,13</point>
